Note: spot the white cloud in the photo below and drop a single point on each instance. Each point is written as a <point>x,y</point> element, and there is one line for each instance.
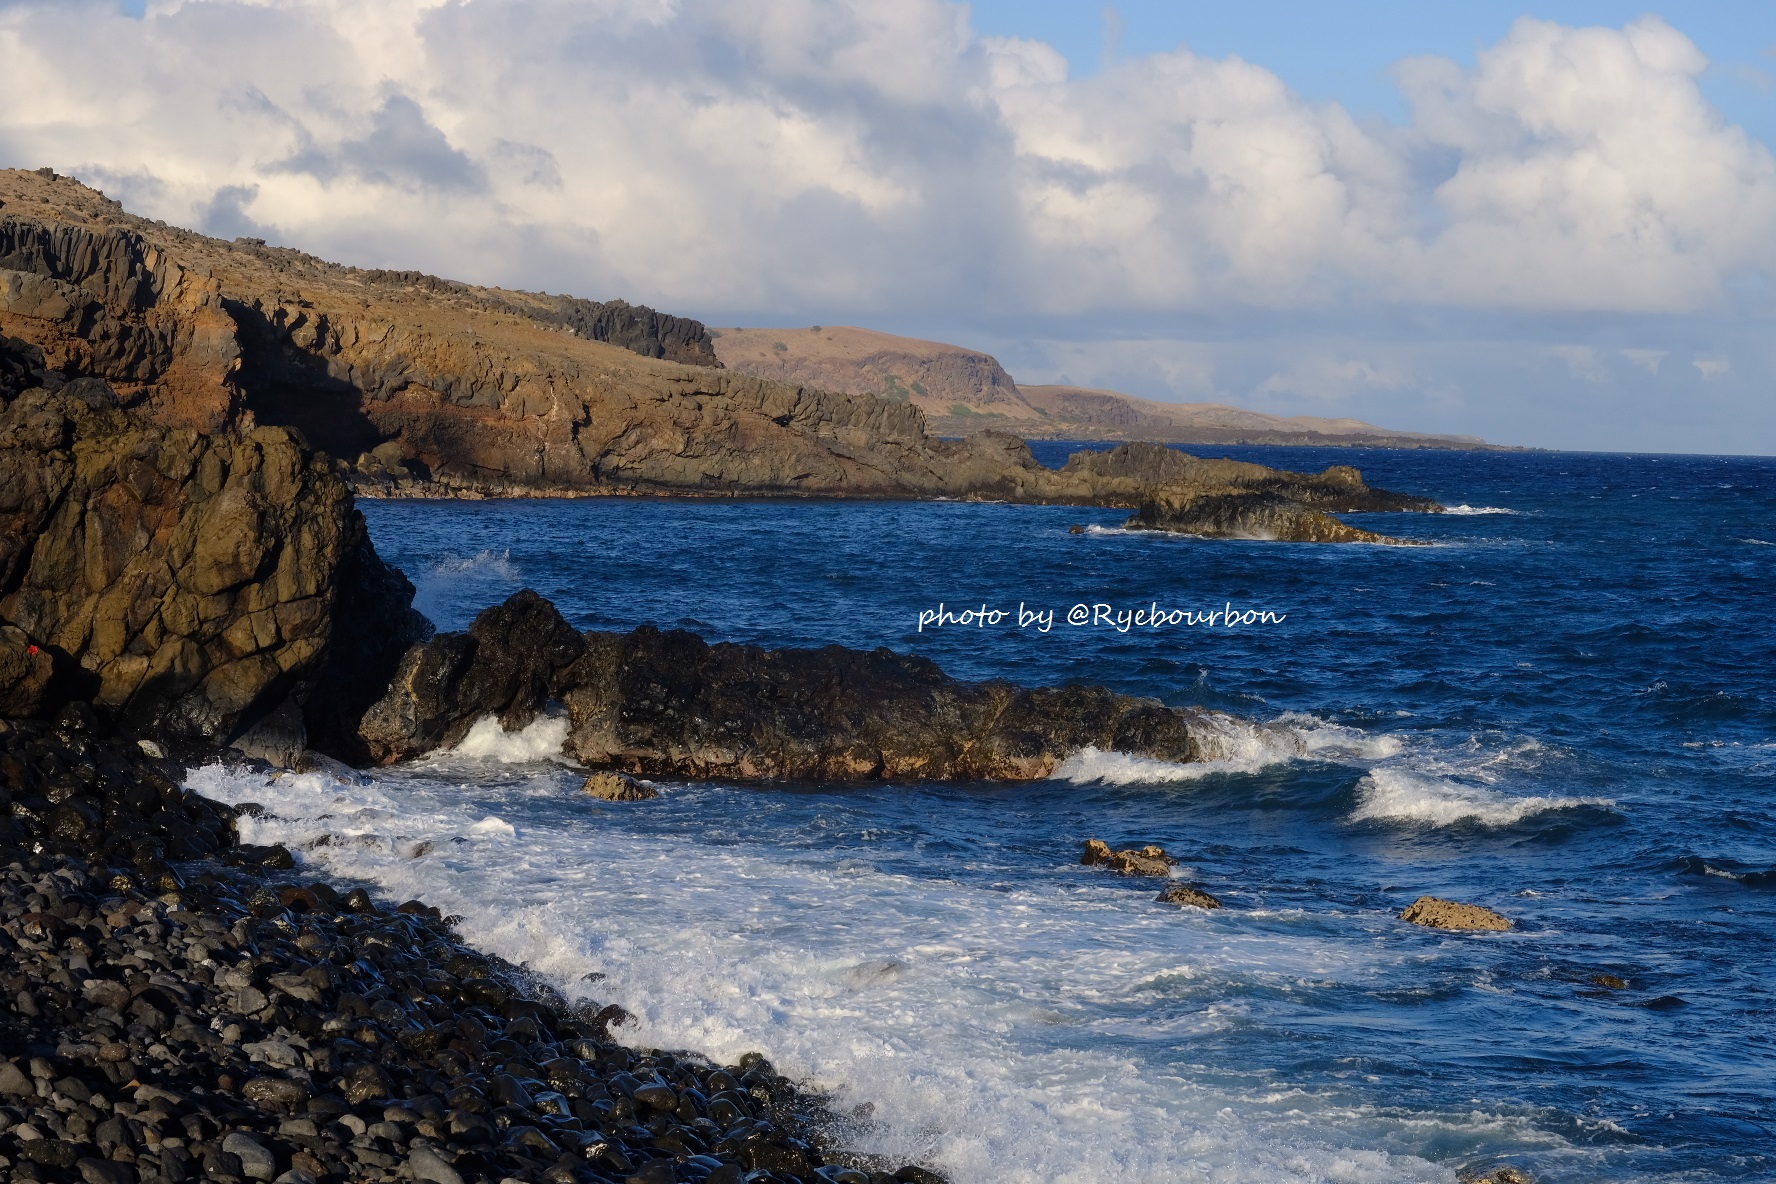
<point>1582,361</point>
<point>868,154</point>
<point>1712,366</point>
<point>1199,230</point>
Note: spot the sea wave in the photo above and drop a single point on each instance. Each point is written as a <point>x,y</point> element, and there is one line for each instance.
<point>1233,745</point>
<point>1468,510</point>
<point>540,740</point>
<point>490,562</point>
<point>1404,795</point>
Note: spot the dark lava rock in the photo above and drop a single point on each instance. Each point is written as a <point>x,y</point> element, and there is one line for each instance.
<point>508,665</point>
<point>670,704</point>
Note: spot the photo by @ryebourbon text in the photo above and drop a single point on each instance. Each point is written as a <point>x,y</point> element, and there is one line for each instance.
<point>1096,616</point>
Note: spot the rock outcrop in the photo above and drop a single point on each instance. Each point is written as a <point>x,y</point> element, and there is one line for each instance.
<point>1189,897</point>
<point>654,703</point>
<point>1148,861</point>
<point>1435,913</point>
<point>190,585</point>
<point>617,787</point>
<point>430,388</point>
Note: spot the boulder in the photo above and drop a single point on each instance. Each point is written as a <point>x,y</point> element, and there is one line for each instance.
<point>1435,913</point>
<point>617,787</point>
<point>1184,894</point>
<point>1148,861</point>
<point>196,584</point>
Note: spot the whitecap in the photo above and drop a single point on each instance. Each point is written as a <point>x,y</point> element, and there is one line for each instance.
<point>1466,510</point>
<point>1758,542</point>
<point>1229,744</point>
<point>1400,795</point>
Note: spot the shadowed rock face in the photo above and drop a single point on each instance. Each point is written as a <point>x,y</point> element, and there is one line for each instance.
<point>670,704</point>
<point>430,388</point>
<point>191,584</point>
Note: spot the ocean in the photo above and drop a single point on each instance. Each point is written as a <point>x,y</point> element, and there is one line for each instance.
<point>1563,708</point>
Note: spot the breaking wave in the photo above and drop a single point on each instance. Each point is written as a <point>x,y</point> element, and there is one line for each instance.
<point>540,740</point>
<point>1401,795</point>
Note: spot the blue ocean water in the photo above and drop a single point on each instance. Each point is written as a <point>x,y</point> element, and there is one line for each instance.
<point>1564,708</point>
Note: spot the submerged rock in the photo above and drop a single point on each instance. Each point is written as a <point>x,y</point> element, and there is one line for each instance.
<point>1148,861</point>
<point>617,787</point>
<point>1435,913</point>
<point>1184,894</point>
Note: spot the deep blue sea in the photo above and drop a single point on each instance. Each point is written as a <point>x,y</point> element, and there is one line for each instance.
<point>1564,709</point>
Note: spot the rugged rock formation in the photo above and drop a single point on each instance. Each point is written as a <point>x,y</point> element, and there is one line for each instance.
<point>440,389</point>
<point>190,584</point>
<point>1248,514</point>
<point>670,704</point>
<point>1148,861</point>
<point>1435,913</point>
<point>508,665</point>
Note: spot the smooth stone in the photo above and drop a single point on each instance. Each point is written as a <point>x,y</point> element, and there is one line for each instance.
<point>255,1160</point>
<point>426,1164</point>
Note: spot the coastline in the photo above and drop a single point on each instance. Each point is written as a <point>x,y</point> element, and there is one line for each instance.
<point>233,1020</point>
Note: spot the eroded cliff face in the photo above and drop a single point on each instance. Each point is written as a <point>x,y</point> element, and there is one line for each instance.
<point>671,704</point>
<point>430,388</point>
<point>189,584</point>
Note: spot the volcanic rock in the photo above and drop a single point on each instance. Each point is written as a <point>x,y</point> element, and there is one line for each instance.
<point>1435,913</point>
<point>191,584</point>
<point>508,665</point>
<point>654,703</point>
<point>1148,861</point>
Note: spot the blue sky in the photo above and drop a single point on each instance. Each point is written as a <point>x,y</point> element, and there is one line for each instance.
<point>1346,51</point>
<point>1549,224</point>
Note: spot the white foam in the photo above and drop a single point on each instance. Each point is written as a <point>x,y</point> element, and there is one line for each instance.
<point>1468,510</point>
<point>1232,745</point>
<point>1758,542</point>
<point>540,740</point>
<point>1403,795</point>
<point>964,1012</point>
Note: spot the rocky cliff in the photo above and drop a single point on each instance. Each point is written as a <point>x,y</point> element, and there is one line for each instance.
<point>962,391</point>
<point>430,388</point>
<point>194,587</point>
<point>671,704</point>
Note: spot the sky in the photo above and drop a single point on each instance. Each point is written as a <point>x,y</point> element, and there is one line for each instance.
<point>1545,224</point>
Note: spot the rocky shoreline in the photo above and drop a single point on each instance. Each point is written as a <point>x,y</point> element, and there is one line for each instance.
<point>226,1019</point>
<point>422,387</point>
